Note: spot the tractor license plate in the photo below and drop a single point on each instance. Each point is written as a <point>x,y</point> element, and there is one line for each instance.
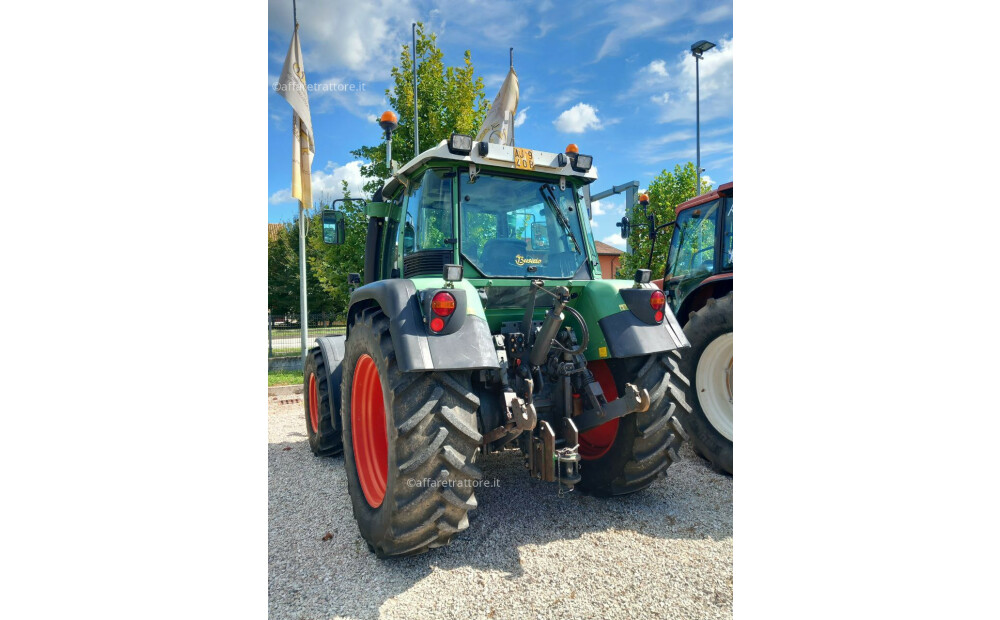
<point>524,159</point>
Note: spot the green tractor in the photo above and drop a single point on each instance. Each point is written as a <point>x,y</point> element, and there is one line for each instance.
<point>483,324</point>
<point>698,282</point>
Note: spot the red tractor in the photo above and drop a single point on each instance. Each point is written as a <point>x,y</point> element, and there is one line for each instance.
<point>698,282</point>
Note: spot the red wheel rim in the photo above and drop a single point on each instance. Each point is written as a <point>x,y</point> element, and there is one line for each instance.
<point>371,447</point>
<point>596,442</point>
<point>313,403</point>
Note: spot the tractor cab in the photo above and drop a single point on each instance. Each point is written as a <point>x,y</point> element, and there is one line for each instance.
<point>498,211</point>
<point>701,250</point>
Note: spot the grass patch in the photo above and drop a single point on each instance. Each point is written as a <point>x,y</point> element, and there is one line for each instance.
<point>284,377</point>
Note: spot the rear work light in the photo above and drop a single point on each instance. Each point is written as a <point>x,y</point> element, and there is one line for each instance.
<point>460,144</point>
<point>443,304</point>
<point>582,163</point>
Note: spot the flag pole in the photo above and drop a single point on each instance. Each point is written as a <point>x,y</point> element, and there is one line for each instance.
<point>304,306</point>
<point>512,139</point>
<point>416,128</point>
<point>304,310</point>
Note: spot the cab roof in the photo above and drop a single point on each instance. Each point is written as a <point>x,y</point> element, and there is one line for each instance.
<point>726,189</point>
<point>497,156</point>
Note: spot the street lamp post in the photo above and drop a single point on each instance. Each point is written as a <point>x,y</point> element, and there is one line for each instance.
<point>697,50</point>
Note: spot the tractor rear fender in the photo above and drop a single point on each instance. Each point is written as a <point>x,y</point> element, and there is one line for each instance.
<point>628,336</point>
<point>714,287</point>
<point>332,349</point>
<point>625,318</point>
<point>465,344</point>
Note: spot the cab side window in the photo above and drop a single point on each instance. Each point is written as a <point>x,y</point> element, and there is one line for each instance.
<point>428,219</point>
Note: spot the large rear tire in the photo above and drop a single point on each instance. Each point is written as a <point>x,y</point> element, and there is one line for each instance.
<point>410,442</point>
<point>319,390</point>
<point>644,443</point>
<point>709,364</point>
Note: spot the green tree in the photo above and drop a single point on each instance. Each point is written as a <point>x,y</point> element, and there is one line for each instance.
<point>283,272</point>
<point>283,269</point>
<point>330,264</point>
<point>450,99</point>
<point>666,191</point>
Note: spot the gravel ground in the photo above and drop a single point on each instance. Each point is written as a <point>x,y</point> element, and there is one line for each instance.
<point>664,552</point>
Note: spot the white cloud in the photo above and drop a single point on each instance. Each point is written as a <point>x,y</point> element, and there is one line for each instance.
<point>657,69</point>
<point>650,154</point>
<point>681,145</point>
<point>707,179</point>
<point>492,25</point>
<point>490,80</point>
<point>578,119</point>
<point>608,206</point>
<point>363,37</point>
<point>615,240</point>
<point>629,21</point>
<point>716,83</point>
<point>326,183</point>
<point>281,196</point>
<point>713,15</point>
<point>634,21</point>
<point>522,116</point>
<point>673,91</point>
<point>360,99</point>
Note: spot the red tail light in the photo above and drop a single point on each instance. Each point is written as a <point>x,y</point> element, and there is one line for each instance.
<point>437,324</point>
<point>443,304</point>
<point>658,300</point>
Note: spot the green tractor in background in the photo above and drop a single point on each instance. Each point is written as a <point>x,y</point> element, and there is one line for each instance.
<point>483,324</point>
<point>698,282</point>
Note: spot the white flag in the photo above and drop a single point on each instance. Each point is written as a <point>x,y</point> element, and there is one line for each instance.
<point>302,158</point>
<point>292,86</point>
<point>498,127</point>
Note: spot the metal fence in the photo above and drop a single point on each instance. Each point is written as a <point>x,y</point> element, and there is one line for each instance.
<point>284,332</point>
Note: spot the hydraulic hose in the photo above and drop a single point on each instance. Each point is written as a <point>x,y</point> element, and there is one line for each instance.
<point>585,339</point>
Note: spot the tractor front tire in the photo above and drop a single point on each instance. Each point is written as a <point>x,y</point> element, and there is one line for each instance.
<point>322,426</point>
<point>410,442</point>
<point>709,365</point>
<point>646,442</point>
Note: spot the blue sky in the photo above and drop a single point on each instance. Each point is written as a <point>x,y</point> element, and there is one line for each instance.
<point>616,79</point>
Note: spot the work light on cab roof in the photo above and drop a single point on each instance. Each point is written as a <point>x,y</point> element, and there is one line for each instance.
<point>580,163</point>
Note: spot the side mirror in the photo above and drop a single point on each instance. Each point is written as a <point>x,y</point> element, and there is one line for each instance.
<point>408,238</point>
<point>626,226</point>
<point>333,228</point>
